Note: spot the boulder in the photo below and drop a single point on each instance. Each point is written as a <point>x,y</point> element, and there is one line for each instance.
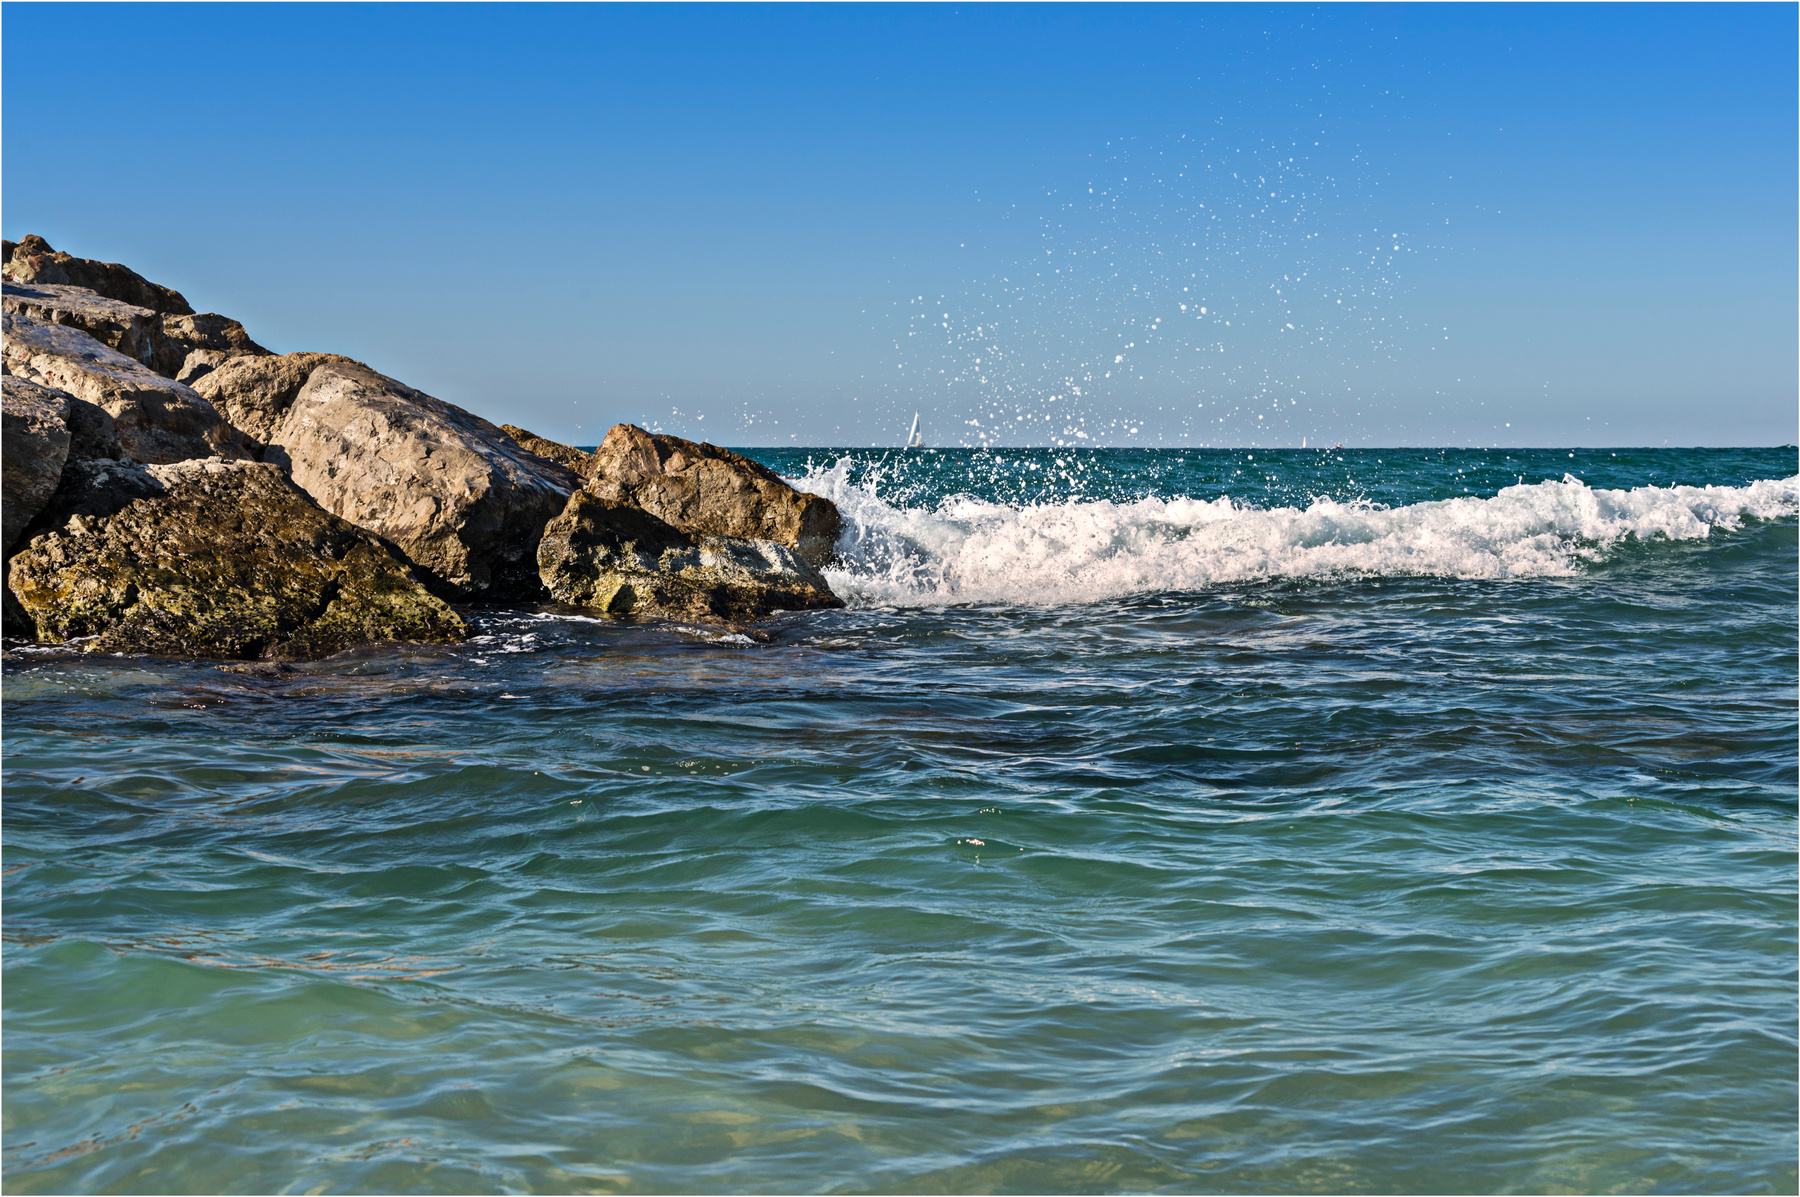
<point>578,461</point>
<point>702,489</point>
<point>166,344</point>
<point>152,418</point>
<point>456,494</point>
<point>213,558</point>
<point>622,560</point>
<point>33,261</point>
<point>34,444</point>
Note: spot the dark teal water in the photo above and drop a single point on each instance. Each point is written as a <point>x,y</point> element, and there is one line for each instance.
<point>1415,822</point>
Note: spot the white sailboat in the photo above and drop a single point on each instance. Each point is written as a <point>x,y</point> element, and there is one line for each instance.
<point>913,439</point>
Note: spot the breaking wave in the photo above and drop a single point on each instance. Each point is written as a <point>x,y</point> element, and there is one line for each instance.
<point>967,550</point>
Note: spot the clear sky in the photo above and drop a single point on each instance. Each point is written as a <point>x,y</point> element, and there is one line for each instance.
<point>1413,224</point>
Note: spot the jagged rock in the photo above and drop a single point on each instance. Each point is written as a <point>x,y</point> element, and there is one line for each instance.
<point>213,558</point>
<point>450,489</point>
<point>204,339</point>
<point>582,463</point>
<point>701,489</point>
<point>34,444</point>
<point>154,419</point>
<point>33,261</point>
<point>622,560</point>
<point>166,344</point>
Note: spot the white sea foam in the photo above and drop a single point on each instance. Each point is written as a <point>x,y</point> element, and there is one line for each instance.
<point>969,551</point>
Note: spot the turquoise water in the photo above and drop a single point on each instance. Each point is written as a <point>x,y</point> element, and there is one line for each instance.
<point>1410,821</point>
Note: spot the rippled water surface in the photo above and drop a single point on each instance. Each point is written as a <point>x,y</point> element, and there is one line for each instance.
<point>1288,822</point>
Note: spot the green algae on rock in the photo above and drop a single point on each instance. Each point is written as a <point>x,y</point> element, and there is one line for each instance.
<point>213,558</point>
<point>620,559</point>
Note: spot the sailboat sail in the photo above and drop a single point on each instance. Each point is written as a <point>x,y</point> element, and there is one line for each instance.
<point>913,439</point>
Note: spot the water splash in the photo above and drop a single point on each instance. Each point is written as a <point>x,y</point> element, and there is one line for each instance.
<point>965,549</point>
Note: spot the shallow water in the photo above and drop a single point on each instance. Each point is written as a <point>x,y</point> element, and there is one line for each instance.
<point>1362,833</point>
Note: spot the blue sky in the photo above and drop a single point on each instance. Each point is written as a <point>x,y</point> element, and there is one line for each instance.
<point>1539,225</point>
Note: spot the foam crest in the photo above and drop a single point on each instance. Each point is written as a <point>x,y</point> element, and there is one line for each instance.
<point>967,550</point>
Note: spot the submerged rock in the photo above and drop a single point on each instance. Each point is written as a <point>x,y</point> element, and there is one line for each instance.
<point>152,418</point>
<point>701,489</point>
<point>213,558</point>
<point>622,560</point>
<point>34,444</point>
<point>33,261</point>
<point>455,493</point>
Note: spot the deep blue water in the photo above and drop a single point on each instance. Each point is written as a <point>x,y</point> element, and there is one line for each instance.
<point>1376,821</point>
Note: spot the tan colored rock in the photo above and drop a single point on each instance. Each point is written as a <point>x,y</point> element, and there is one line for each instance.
<point>579,461</point>
<point>33,261</point>
<point>154,419</point>
<point>456,494</point>
<point>34,444</point>
<point>701,489</point>
<point>621,560</point>
<point>214,558</point>
<point>166,344</point>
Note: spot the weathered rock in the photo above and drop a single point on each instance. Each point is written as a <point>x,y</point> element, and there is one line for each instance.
<point>132,330</point>
<point>34,444</point>
<point>166,344</point>
<point>579,461</point>
<point>256,393</point>
<point>622,560</point>
<point>33,261</point>
<point>154,419</point>
<point>456,494</point>
<point>701,488</point>
<point>213,558</point>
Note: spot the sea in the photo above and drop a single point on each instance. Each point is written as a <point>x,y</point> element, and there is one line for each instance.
<point>1173,820</point>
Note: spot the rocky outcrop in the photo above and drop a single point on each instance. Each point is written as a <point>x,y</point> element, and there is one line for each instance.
<point>456,494</point>
<point>179,347</point>
<point>213,558</point>
<point>578,461</point>
<point>33,261</point>
<point>34,444</point>
<point>702,489</point>
<point>622,560</point>
<point>154,419</point>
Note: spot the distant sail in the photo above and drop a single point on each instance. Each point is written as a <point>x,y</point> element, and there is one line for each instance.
<point>913,439</point>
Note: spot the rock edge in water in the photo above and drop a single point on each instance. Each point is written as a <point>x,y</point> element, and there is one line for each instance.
<point>213,558</point>
<point>298,504</point>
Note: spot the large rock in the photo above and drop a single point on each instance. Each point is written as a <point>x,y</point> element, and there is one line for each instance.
<point>456,494</point>
<point>213,558</point>
<point>620,559</point>
<point>701,489</point>
<point>153,419</point>
<point>181,347</point>
<point>34,444</point>
<point>33,261</point>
